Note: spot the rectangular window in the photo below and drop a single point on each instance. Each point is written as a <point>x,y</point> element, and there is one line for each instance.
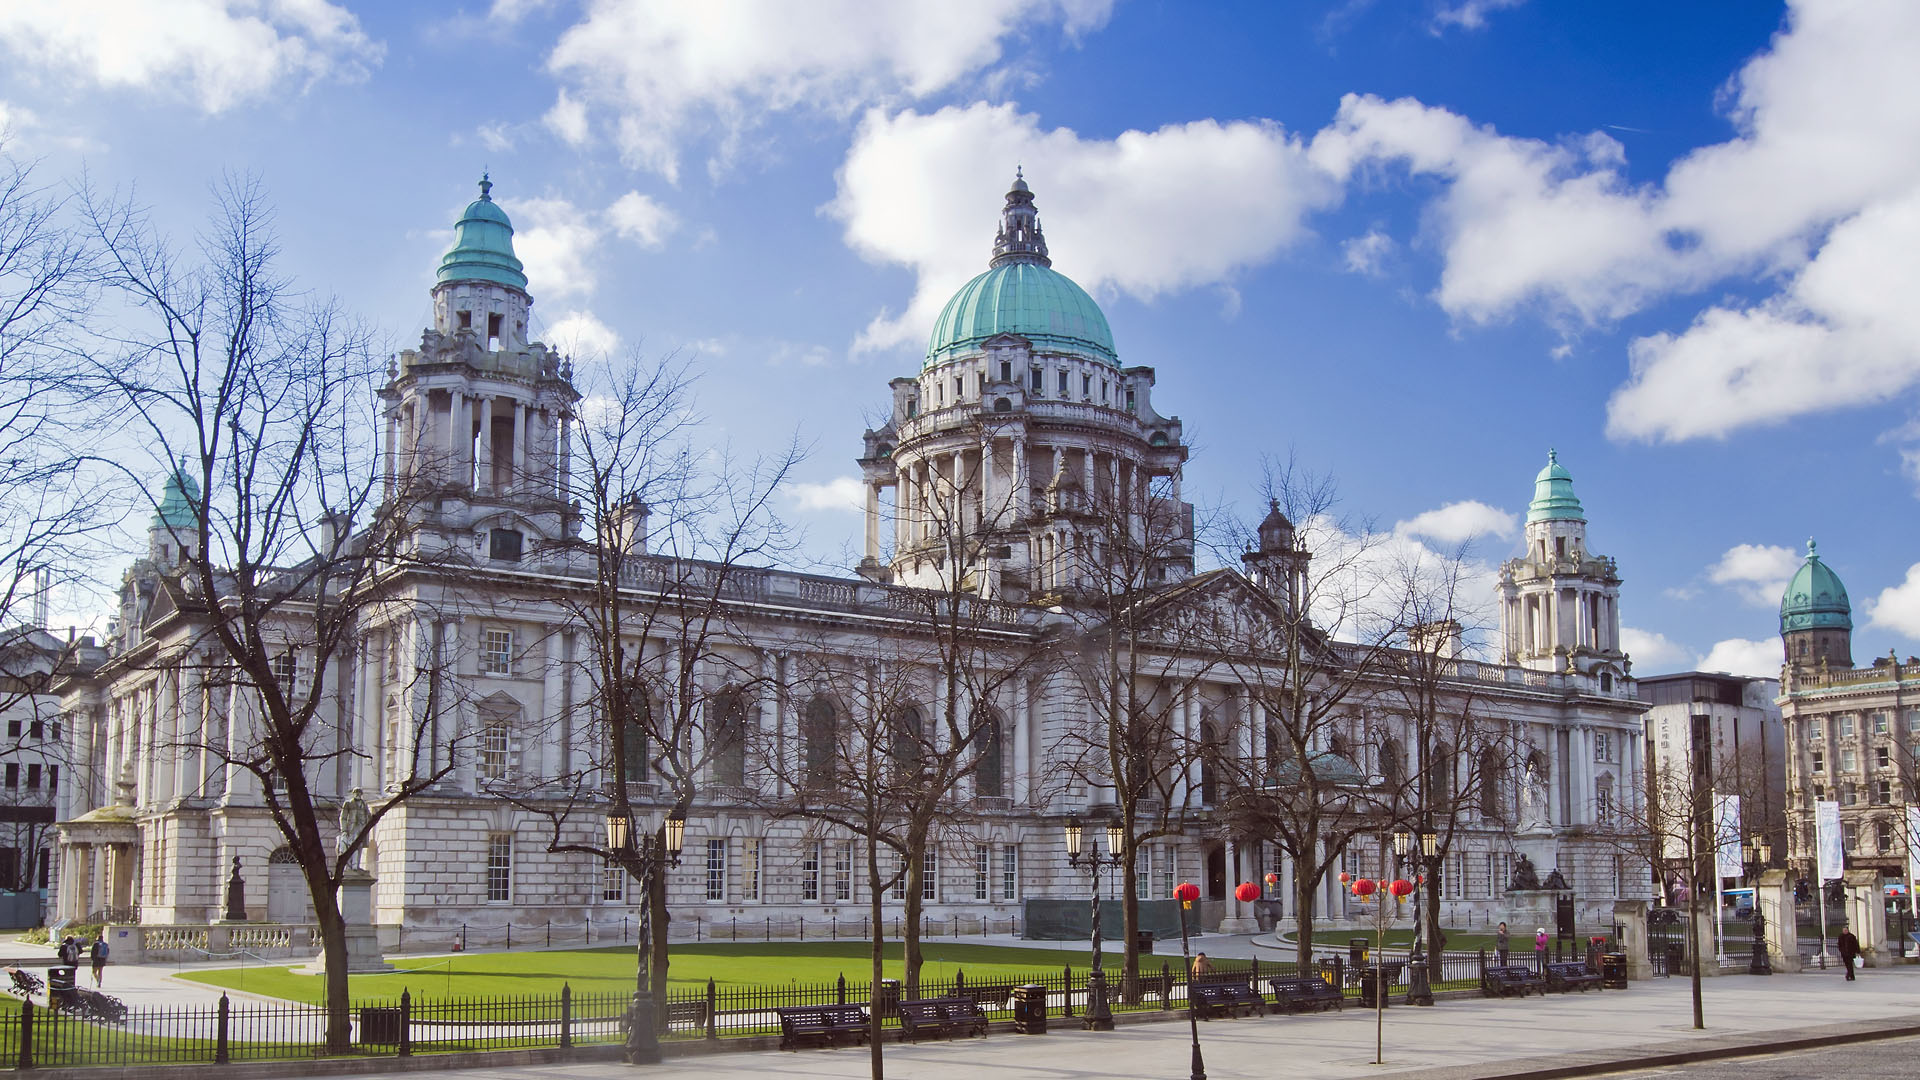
<point>1143,873</point>
<point>494,752</point>
<point>750,869</point>
<point>1848,761</point>
<point>1913,722</point>
<point>1816,730</point>
<point>53,779</point>
<point>1010,872</point>
<point>1603,803</point>
<point>982,871</point>
<point>13,729</point>
<point>500,868</point>
<point>1883,836</point>
<point>716,869</point>
<point>1038,386</point>
<point>1130,405</point>
<point>930,876</point>
<point>1006,371</point>
<point>1879,723</point>
<point>1819,761</point>
<point>810,872</point>
<point>959,389</point>
<point>13,775</point>
<point>613,883</point>
<point>843,871</point>
<point>1602,746</point>
<point>37,729</point>
<point>1848,795</point>
<point>1086,387</point>
<point>1619,875</point>
<point>286,672</point>
<point>1850,836</point>
<point>33,777</point>
<point>900,878</point>
<point>1883,757</point>
<point>1846,726</point>
<point>1063,384</point>
<point>1495,880</point>
<point>1883,792</point>
<point>496,652</point>
<point>1819,793</point>
<point>1169,868</point>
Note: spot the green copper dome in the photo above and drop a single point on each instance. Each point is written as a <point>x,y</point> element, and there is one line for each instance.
<point>1022,294</point>
<point>1815,599</point>
<point>177,500</point>
<point>1553,498</point>
<point>483,245</point>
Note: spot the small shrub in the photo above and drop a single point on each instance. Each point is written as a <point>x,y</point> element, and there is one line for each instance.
<point>35,936</point>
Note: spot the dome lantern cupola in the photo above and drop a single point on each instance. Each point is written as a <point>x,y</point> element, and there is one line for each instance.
<point>1553,498</point>
<point>1020,238</point>
<point>1816,617</point>
<point>483,245</point>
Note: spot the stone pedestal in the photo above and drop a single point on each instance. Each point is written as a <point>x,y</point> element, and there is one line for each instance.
<point>1773,897</point>
<point>363,940</point>
<point>1631,917</point>
<point>1704,944</point>
<point>1866,909</point>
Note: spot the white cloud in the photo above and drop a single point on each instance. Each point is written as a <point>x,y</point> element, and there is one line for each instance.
<point>1469,14</point>
<point>641,220</point>
<point>581,334</point>
<point>662,71</point>
<point>1738,656</point>
<point>217,53</point>
<point>556,240</point>
<point>568,119</point>
<point>842,493</point>
<point>1651,652</point>
<point>925,191</point>
<point>1461,521</point>
<point>1758,572</point>
<point>495,137</point>
<point>1363,253</point>
<point>1897,608</point>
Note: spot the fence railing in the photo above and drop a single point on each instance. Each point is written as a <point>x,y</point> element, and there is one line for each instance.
<point>38,1037</point>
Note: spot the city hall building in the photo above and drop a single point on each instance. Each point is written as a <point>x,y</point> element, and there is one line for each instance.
<point>1022,415</point>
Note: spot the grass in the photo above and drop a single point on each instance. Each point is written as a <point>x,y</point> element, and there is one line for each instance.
<point>526,974</point>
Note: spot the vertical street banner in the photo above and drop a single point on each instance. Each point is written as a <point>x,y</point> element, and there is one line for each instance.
<point>1726,836</point>
<point>1913,848</point>
<point>1827,839</point>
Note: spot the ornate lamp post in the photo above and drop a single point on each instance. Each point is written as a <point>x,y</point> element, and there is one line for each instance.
<point>1099,1015</point>
<point>1187,893</point>
<point>1425,861</point>
<point>1759,854</point>
<point>648,848</point>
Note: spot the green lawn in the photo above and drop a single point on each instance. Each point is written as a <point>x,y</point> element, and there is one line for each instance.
<point>526,974</point>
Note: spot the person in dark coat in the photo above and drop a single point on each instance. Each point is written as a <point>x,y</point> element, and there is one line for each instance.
<point>69,951</point>
<point>1849,950</point>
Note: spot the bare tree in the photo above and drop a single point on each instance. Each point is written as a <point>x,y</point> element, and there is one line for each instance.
<point>256,402</point>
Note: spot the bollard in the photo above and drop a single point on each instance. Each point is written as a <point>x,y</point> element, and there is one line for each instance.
<point>833,928</point>
<point>25,1059</point>
<point>959,980</point>
<point>463,937</point>
<point>566,1016</point>
<point>840,991</point>
<point>1166,987</point>
<point>713,1025</point>
<point>549,933</point>
<point>1066,980</point>
<point>509,933</point>
<point>221,1053</point>
<point>406,1023</point>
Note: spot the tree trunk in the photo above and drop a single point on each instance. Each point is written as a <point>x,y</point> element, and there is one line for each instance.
<point>333,950</point>
<point>874,1057</point>
<point>1432,916</point>
<point>1130,908</point>
<point>1304,887</point>
<point>910,931</point>
<point>657,900</point>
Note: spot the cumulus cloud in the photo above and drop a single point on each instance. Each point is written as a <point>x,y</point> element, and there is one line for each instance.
<point>568,119</point>
<point>1897,608</point>
<point>925,190</point>
<point>641,220</point>
<point>1758,572</point>
<point>661,71</point>
<point>842,493</point>
<point>217,53</point>
<point>557,241</point>
<point>1460,521</point>
<point>1469,14</point>
<point>1738,656</point>
<point>1650,651</point>
<point>1363,253</point>
<point>581,334</point>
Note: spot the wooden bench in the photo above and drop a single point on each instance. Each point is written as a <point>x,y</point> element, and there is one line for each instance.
<point>1225,997</point>
<point>1296,993</point>
<point>992,995</point>
<point>1511,981</point>
<point>686,1014</point>
<point>824,1024</point>
<point>941,1016</point>
<point>1572,975</point>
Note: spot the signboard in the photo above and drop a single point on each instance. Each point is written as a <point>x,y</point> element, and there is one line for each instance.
<point>1726,836</point>
<point>1827,840</point>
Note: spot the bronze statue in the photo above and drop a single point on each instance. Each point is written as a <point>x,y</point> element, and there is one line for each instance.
<point>236,895</point>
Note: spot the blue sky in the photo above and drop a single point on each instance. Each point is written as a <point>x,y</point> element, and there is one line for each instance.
<point>1412,242</point>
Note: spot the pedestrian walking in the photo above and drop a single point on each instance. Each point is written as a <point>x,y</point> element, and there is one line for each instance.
<point>1849,950</point>
<point>1540,950</point>
<point>69,951</point>
<point>1501,942</point>
<point>98,954</point>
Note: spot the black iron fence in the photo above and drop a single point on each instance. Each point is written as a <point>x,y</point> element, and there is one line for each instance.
<point>616,931</point>
<point>35,1036</point>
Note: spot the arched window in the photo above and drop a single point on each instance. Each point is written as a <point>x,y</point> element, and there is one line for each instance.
<point>990,777</point>
<point>727,731</point>
<point>1277,747</point>
<point>1440,778</point>
<point>819,727</point>
<point>1392,774</point>
<point>1493,799</point>
<point>909,747</point>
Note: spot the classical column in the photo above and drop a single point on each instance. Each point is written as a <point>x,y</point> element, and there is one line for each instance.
<point>553,695</point>
<point>519,447</point>
<point>873,520</point>
<point>1022,488</point>
<point>393,432</point>
<point>989,506</point>
<point>483,467</point>
<point>1022,742</point>
<point>770,718</point>
<point>566,454</point>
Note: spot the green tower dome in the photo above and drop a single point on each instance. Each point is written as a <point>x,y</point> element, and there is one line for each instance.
<point>177,500</point>
<point>1815,599</point>
<point>1022,294</point>
<point>1553,498</point>
<point>483,245</point>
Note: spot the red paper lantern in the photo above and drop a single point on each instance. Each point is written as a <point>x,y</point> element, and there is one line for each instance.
<point>1363,887</point>
<point>1345,877</point>
<point>1247,892</point>
<point>1186,892</point>
<point>1273,878</point>
<point>1400,887</point>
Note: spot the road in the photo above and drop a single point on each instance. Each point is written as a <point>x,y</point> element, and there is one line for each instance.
<point>1892,1059</point>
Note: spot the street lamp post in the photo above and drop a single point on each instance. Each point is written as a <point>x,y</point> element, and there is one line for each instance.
<point>650,850</point>
<point>1759,854</point>
<point>1419,984</point>
<point>1099,1015</point>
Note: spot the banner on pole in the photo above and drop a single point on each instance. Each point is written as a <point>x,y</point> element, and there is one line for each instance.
<point>1726,836</point>
<point>1913,848</point>
<point>1827,840</point>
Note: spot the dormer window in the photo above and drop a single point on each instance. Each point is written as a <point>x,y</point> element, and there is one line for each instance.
<point>463,319</point>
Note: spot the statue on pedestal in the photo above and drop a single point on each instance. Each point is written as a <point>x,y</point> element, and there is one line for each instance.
<point>1533,798</point>
<point>1524,875</point>
<point>236,895</point>
<point>353,818</point>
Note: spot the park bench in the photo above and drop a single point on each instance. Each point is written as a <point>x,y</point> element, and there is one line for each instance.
<point>25,983</point>
<point>1572,975</point>
<point>686,1014</point>
<point>941,1016</point>
<point>1512,980</point>
<point>1225,997</point>
<point>1296,993</point>
<point>991,995</point>
<point>825,1024</point>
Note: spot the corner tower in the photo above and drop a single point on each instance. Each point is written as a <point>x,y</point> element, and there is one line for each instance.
<point>1560,603</point>
<point>1816,618</point>
<point>1023,443</point>
<point>478,418</point>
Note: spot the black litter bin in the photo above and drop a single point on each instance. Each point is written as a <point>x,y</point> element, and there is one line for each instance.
<point>1030,1009</point>
<point>1356,952</point>
<point>1143,942</point>
<point>380,1026</point>
<point>1613,970</point>
<point>886,1003</point>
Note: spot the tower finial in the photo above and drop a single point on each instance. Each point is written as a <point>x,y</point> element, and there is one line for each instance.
<point>1553,456</point>
<point>1019,239</point>
<point>1813,550</point>
<point>486,187</point>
